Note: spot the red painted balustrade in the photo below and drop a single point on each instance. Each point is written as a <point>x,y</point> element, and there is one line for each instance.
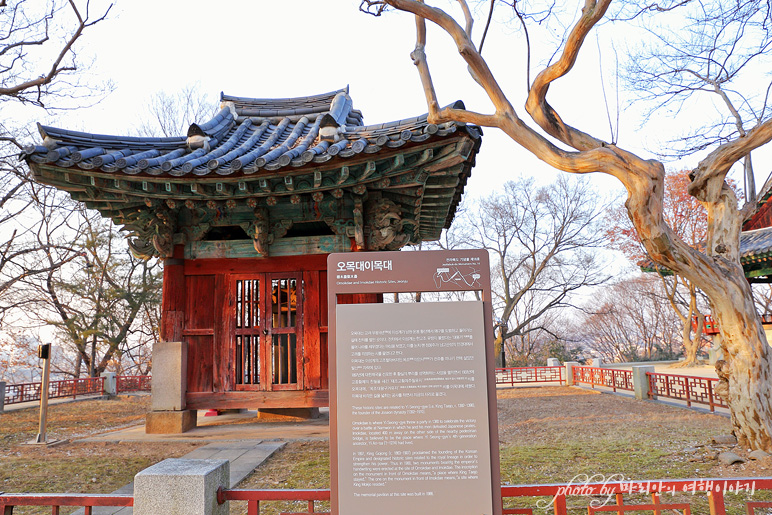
<point>718,496</point>
<point>133,383</point>
<point>26,392</point>
<point>517,375</point>
<point>56,501</point>
<point>692,389</point>
<point>613,378</point>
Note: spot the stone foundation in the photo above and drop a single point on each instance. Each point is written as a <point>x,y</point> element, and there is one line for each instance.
<point>170,422</point>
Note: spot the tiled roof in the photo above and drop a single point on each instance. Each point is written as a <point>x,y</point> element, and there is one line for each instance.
<point>276,162</point>
<point>246,136</point>
<point>755,244</point>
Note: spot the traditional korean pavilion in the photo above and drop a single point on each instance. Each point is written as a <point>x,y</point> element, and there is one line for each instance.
<point>244,209</point>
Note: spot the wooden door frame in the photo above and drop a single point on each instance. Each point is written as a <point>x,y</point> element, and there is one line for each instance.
<point>265,331</point>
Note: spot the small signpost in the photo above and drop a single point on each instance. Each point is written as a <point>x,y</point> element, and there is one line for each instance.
<point>44,353</point>
<point>413,424</point>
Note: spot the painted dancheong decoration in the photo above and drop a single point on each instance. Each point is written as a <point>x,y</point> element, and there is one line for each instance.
<point>244,209</point>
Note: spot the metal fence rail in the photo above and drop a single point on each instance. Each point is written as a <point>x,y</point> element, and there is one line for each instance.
<point>21,392</point>
<point>615,497</point>
<point>682,494</point>
<point>55,501</point>
<point>691,389</point>
<point>516,375</point>
<point>609,377</point>
<point>26,392</point>
<point>254,497</point>
<point>133,383</point>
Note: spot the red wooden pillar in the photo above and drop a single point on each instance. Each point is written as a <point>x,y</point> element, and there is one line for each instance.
<point>173,297</point>
<point>312,349</point>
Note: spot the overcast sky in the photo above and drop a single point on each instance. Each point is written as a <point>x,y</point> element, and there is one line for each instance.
<point>273,49</point>
<point>303,47</point>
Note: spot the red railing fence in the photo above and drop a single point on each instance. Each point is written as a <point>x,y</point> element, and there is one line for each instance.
<point>133,383</point>
<point>617,497</point>
<point>254,497</point>
<point>700,390</point>
<point>516,375</point>
<point>613,378</point>
<point>26,392</point>
<point>679,494</point>
<point>21,392</point>
<point>55,501</point>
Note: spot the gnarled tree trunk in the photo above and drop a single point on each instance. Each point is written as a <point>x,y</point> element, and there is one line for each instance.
<point>717,272</point>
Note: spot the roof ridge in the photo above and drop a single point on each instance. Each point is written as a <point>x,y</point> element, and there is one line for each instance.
<point>321,98</point>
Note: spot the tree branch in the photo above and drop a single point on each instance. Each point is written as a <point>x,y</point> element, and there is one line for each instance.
<point>717,164</point>
<point>56,66</point>
<point>536,105</point>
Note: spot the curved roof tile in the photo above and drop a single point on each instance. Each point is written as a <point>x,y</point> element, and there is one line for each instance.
<point>246,135</point>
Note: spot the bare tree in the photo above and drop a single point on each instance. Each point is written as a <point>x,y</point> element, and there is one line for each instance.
<point>762,294</point>
<point>554,337</point>
<point>172,114</point>
<point>39,66</point>
<point>97,303</point>
<point>716,270</point>
<point>689,220</point>
<point>707,57</point>
<point>630,323</point>
<point>542,242</point>
<point>38,53</point>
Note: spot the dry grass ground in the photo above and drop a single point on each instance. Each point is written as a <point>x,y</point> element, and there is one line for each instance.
<point>85,467</point>
<point>554,434</point>
<point>547,435</point>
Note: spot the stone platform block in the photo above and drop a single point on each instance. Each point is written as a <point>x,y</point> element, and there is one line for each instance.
<point>641,381</point>
<point>181,487</point>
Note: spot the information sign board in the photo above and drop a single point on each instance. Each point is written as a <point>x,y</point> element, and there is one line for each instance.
<point>413,409</point>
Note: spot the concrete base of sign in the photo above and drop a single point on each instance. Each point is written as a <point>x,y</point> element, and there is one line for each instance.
<point>178,486</point>
<point>45,443</point>
<point>170,422</point>
<point>287,414</point>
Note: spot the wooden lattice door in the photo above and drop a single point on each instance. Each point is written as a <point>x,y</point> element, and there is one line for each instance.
<point>267,340</point>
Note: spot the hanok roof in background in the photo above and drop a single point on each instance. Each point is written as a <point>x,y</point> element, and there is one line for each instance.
<point>756,253</point>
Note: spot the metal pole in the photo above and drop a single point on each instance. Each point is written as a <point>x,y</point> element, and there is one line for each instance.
<point>45,355</point>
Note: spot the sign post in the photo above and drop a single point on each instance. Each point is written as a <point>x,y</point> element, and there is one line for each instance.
<point>413,424</point>
<point>44,353</point>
